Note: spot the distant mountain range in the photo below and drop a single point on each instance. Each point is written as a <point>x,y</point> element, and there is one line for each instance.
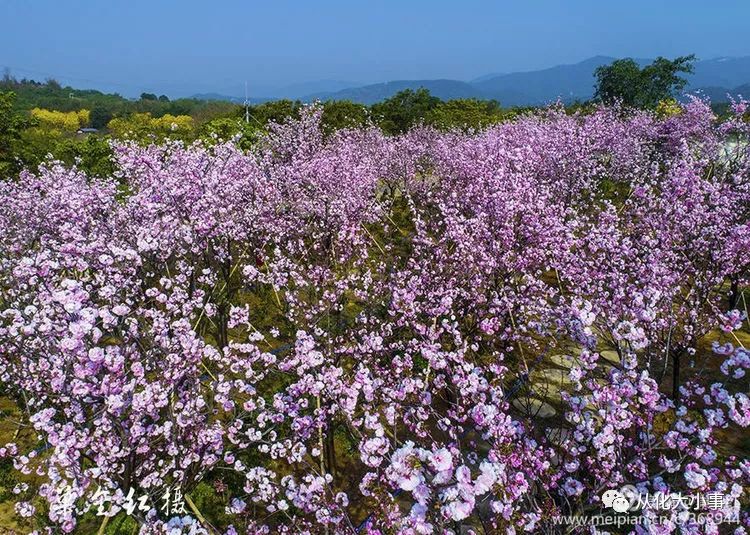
<point>715,78</point>
<point>369,94</point>
<point>294,91</point>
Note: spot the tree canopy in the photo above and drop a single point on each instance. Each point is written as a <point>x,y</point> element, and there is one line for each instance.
<point>625,81</point>
<point>11,126</point>
<point>404,109</point>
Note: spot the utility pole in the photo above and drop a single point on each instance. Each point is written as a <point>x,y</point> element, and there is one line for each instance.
<point>247,106</point>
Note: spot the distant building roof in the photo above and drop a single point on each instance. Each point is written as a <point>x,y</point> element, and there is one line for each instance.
<point>87,130</point>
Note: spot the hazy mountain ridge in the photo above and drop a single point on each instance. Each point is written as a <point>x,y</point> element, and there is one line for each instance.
<point>722,94</point>
<point>228,98</point>
<point>370,94</point>
<point>714,78</point>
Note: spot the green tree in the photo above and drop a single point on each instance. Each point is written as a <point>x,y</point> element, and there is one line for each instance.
<point>338,114</point>
<point>148,96</point>
<point>465,114</point>
<point>404,109</point>
<point>276,111</point>
<point>645,87</point>
<point>224,129</point>
<point>100,116</point>
<point>91,154</point>
<point>11,127</point>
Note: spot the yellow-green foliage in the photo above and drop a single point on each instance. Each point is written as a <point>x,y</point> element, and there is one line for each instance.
<point>143,125</point>
<point>66,121</point>
<point>174,123</point>
<point>668,108</point>
<point>465,114</point>
<point>226,128</point>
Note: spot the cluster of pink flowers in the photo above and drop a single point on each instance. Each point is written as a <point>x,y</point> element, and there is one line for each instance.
<point>357,333</point>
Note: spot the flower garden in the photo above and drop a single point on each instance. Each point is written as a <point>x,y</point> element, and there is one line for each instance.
<point>351,332</point>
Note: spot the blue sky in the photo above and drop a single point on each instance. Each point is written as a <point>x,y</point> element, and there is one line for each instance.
<point>184,47</point>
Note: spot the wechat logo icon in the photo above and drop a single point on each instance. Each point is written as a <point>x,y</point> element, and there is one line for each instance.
<point>616,500</point>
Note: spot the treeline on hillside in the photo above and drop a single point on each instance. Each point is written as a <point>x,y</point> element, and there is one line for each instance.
<point>394,115</point>
<point>103,107</point>
<point>38,119</point>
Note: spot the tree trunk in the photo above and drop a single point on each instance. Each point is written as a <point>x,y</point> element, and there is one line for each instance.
<point>734,295</point>
<point>676,377</point>
<point>331,450</point>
